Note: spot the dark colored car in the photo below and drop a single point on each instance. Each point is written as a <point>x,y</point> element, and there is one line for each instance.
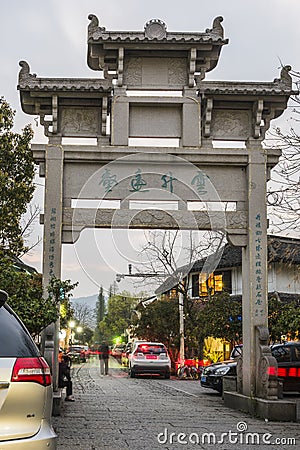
<point>288,359</point>
<point>78,353</point>
<point>25,388</point>
<point>212,376</point>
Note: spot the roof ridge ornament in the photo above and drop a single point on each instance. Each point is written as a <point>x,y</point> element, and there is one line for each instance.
<point>94,24</point>
<point>155,29</point>
<point>25,71</point>
<point>285,78</point>
<point>217,28</point>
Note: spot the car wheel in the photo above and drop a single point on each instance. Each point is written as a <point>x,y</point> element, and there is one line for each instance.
<point>131,373</point>
<point>167,375</point>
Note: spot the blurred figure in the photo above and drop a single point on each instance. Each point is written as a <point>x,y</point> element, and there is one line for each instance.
<point>64,376</point>
<point>103,357</point>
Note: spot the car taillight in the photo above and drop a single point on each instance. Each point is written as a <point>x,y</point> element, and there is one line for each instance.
<point>163,356</point>
<point>34,370</point>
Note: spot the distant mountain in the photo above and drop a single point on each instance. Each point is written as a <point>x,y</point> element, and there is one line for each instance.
<point>91,300</point>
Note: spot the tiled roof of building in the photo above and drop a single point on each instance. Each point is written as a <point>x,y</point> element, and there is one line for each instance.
<point>280,249</point>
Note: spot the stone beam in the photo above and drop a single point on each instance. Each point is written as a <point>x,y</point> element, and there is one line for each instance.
<point>76,220</point>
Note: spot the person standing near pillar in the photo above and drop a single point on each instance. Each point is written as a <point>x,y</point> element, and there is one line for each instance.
<point>103,357</point>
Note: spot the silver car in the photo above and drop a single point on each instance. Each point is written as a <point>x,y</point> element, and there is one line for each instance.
<point>149,358</point>
<point>25,388</point>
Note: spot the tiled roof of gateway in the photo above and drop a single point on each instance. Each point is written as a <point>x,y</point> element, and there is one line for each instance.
<point>278,86</point>
<point>155,30</point>
<point>28,81</point>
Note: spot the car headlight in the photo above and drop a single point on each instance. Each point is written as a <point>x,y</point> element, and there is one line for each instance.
<point>222,371</point>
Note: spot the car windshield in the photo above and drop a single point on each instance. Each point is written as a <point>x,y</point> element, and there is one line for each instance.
<point>151,349</point>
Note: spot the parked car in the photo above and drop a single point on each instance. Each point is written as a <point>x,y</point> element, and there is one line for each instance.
<point>78,353</point>
<point>149,358</point>
<point>288,359</point>
<point>127,351</point>
<point>212,375</point>
<point>117,351</point>
<point>25,386</point>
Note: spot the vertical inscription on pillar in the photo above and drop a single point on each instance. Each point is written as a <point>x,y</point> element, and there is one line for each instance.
<point>259,310</point>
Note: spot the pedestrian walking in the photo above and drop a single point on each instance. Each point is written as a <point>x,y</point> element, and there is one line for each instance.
<point>103,357</point>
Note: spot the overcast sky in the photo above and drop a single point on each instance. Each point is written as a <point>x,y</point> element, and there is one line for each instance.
<point>51,36</point>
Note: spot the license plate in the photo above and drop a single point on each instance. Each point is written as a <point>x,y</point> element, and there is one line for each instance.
<point>151,357</point>
<point>203,378</point>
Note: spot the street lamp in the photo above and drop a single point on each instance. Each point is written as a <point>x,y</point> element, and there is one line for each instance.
<point>78,331</point>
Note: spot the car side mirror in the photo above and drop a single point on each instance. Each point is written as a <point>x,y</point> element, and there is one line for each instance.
<point>3,297</point>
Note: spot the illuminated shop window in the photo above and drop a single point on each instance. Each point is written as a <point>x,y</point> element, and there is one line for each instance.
<point>216,282</point>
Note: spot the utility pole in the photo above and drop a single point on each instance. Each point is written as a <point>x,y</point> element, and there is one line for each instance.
<point>181,328</point>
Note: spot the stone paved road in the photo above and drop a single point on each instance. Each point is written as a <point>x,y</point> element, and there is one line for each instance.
<point>118,413</point>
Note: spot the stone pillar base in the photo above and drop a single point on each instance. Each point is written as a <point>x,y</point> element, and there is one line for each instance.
<point>277,410</point>
<point>56,405</point>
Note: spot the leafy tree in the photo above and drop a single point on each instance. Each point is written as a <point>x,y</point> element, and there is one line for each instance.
<point>119,314</point>
<point>221,317</point>
<point>16,180</point>
<point>60,293</point>
<point>159,321</point>
<point>284,319</point>
<point>26,297</point>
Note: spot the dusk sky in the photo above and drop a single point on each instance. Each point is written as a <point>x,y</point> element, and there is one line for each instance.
<point>52,37</point>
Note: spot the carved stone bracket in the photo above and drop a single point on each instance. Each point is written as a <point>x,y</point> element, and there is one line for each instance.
<point>267,368</point>
<point>50,123</point>
<point>192,66</point>
<point>207,117</point>
<point>257,118</point>
<point>120,66</point>
<point>104,115</point>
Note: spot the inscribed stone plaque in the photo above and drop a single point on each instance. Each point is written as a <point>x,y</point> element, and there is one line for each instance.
<point>82,122</point>
<point>155,72</point>
<point>155,121</point>
<point>231,124</point>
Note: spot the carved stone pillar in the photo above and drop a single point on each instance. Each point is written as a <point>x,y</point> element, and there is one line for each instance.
<point>52,245</point>
<point>254,264</point>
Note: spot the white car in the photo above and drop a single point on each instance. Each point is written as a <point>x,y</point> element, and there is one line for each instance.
<point>149,358</point>
<point>25,388</point>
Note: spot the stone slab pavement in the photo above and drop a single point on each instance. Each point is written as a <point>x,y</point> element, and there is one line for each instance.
<point>116,412</point>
